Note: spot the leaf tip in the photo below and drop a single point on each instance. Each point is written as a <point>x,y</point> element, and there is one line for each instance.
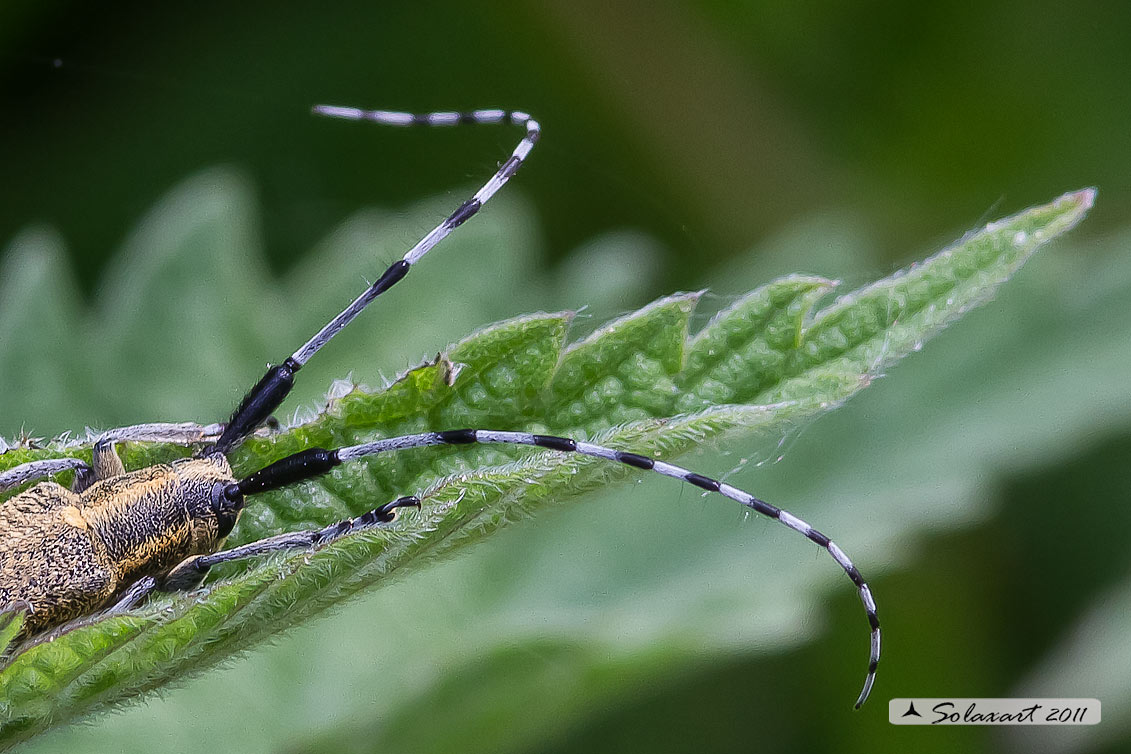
<point>1067,211</point>
<point>1083,199</point>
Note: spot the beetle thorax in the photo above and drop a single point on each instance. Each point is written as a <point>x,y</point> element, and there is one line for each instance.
<point>151,519</point>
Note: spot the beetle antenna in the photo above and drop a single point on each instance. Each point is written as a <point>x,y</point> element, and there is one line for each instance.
<point>314,462</point>
<point>267,394</point>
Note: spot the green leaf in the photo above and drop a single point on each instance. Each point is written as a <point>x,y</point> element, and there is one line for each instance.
<point>765,364</point>
<point>11,621</point>
<point>637,628</point>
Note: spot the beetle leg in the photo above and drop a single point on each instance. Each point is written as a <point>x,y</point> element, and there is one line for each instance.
<point>33,470</point>
<point>105,461</point>
<point>179,433</point>
<point>191,571</point>
<point>105,464</point>
<point>133,596</point>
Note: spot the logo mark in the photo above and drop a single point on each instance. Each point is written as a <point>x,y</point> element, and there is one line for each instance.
<point>983,711</point>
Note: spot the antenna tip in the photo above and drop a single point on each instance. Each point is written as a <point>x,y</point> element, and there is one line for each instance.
<point>333,111</point>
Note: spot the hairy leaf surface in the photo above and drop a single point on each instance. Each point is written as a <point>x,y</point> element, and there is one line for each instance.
<point>771,360</point>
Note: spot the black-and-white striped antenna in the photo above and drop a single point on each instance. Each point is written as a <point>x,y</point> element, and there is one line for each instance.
<point>269,392</point>
<point>461,215</point>
<point>313,462</point>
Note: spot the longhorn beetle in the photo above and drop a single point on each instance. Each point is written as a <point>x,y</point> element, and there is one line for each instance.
<point>115,536</point>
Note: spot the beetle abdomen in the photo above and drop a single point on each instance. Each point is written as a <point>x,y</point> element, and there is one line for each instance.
<point>50,559</point>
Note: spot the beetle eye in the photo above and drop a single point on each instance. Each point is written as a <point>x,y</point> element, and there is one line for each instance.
<point>226,508</point>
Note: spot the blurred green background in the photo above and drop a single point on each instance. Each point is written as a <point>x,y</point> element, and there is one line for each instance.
<point>715,144</point>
